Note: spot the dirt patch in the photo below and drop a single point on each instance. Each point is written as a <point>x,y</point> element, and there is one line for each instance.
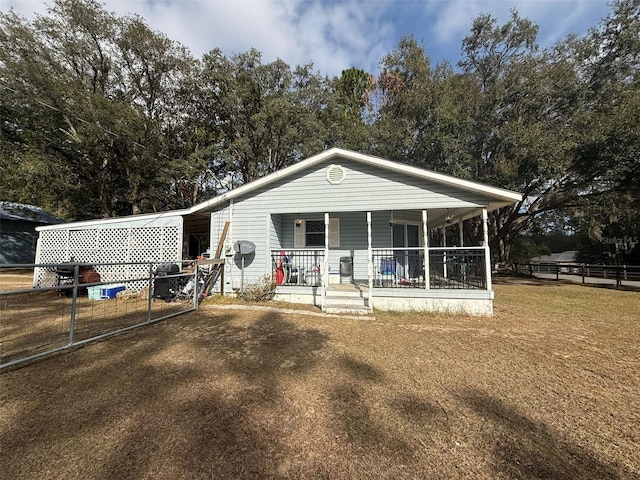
<point>547,388</point>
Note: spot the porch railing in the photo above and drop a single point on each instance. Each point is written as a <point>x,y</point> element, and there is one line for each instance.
<point>297,266</point>
<point>457,267</point>
<point>449,267</point>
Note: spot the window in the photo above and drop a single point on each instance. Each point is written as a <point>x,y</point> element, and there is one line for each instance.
<point>314,233</point>
<point>310,233</point>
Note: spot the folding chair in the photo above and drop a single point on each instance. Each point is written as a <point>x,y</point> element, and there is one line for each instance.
<point>388,266</point>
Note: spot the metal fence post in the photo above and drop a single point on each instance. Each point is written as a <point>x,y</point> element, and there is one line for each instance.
<point>74,304</point>
<point>582,271</point>
<point>150,296</point>
<point>196,286</point>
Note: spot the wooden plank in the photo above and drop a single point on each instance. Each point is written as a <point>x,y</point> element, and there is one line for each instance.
<point>222,238</point>
<point>211,261</point>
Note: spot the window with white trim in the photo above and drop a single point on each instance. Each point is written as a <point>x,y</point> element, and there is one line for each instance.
<point>310,233</point>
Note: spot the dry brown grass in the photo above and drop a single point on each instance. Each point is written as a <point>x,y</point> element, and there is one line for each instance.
<point>12,279</point>
<point>547,388</point>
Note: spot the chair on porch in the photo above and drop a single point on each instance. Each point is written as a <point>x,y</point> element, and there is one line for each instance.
<point>388,267</point>
<point>293,271</point>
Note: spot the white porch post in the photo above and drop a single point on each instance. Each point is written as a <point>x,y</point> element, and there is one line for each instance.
<point>487,251</point>
<point>370,262</point>
<point>268,269</point>
<point>444,252</point>
<point>325,263</point>
<point>460,232</point>
<point>425,243</point>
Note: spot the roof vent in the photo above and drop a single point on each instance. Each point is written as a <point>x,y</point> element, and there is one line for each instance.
<point>336,174</point>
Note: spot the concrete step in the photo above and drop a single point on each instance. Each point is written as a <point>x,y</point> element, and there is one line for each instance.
<point>346,299</point>
<point>346,310</point>
<point>357,302</point>
<point>347,292</point>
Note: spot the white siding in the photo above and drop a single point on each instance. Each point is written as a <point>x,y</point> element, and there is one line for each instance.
<point>309,195</point>
<point>218,219</point>
<point>364,188</point>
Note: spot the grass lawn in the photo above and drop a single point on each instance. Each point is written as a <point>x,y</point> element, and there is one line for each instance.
<point>547,388</point>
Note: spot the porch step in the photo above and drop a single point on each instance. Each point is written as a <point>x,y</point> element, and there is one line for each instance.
<point>347,290</point>
<point>346,310</point>
<point>346,299</point>
<point>350,301</point>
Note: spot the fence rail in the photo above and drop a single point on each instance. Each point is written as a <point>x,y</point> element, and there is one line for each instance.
<point>74,308</point>
<point>613,273</point>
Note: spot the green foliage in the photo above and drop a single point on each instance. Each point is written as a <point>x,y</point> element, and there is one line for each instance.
<point>88,96</point>
<point>103,116</point>
<point>264,117</point>
<point>525,248</point>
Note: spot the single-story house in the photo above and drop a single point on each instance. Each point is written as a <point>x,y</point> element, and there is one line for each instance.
<point>18,222</point>
<point>342,230</point>
<point>560,261</point>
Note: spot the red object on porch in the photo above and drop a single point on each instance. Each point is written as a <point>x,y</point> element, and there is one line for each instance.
<point>280,270</point>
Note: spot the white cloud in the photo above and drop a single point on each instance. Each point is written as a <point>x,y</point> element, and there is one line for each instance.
<point>337,34</point>
<point>332,35</point>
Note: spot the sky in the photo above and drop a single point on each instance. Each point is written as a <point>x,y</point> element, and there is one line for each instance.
<point>339,34</point>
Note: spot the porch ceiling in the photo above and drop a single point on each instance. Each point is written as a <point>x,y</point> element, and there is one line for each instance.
<point>436,217</point>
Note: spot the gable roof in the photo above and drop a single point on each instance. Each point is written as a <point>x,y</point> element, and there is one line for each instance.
<point>497,197</point>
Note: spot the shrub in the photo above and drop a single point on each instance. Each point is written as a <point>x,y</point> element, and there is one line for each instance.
<point>261,291</point>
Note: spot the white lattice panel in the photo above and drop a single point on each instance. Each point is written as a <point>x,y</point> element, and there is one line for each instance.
<point>111,246</point>
<point>82,240</point>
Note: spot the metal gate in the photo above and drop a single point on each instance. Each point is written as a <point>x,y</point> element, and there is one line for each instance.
<point>67,305</point>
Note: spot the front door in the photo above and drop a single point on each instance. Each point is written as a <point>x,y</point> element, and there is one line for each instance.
<point>406,236</point>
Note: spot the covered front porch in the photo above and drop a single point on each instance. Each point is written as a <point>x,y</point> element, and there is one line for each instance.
<point>396,260</point>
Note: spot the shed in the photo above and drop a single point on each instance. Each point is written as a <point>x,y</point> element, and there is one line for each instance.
<point>18,236</point>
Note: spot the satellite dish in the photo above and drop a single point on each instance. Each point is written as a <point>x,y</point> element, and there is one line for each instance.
<point>244,247</point>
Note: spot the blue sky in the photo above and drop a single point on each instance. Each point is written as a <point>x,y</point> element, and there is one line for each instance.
<point>339,34</point>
